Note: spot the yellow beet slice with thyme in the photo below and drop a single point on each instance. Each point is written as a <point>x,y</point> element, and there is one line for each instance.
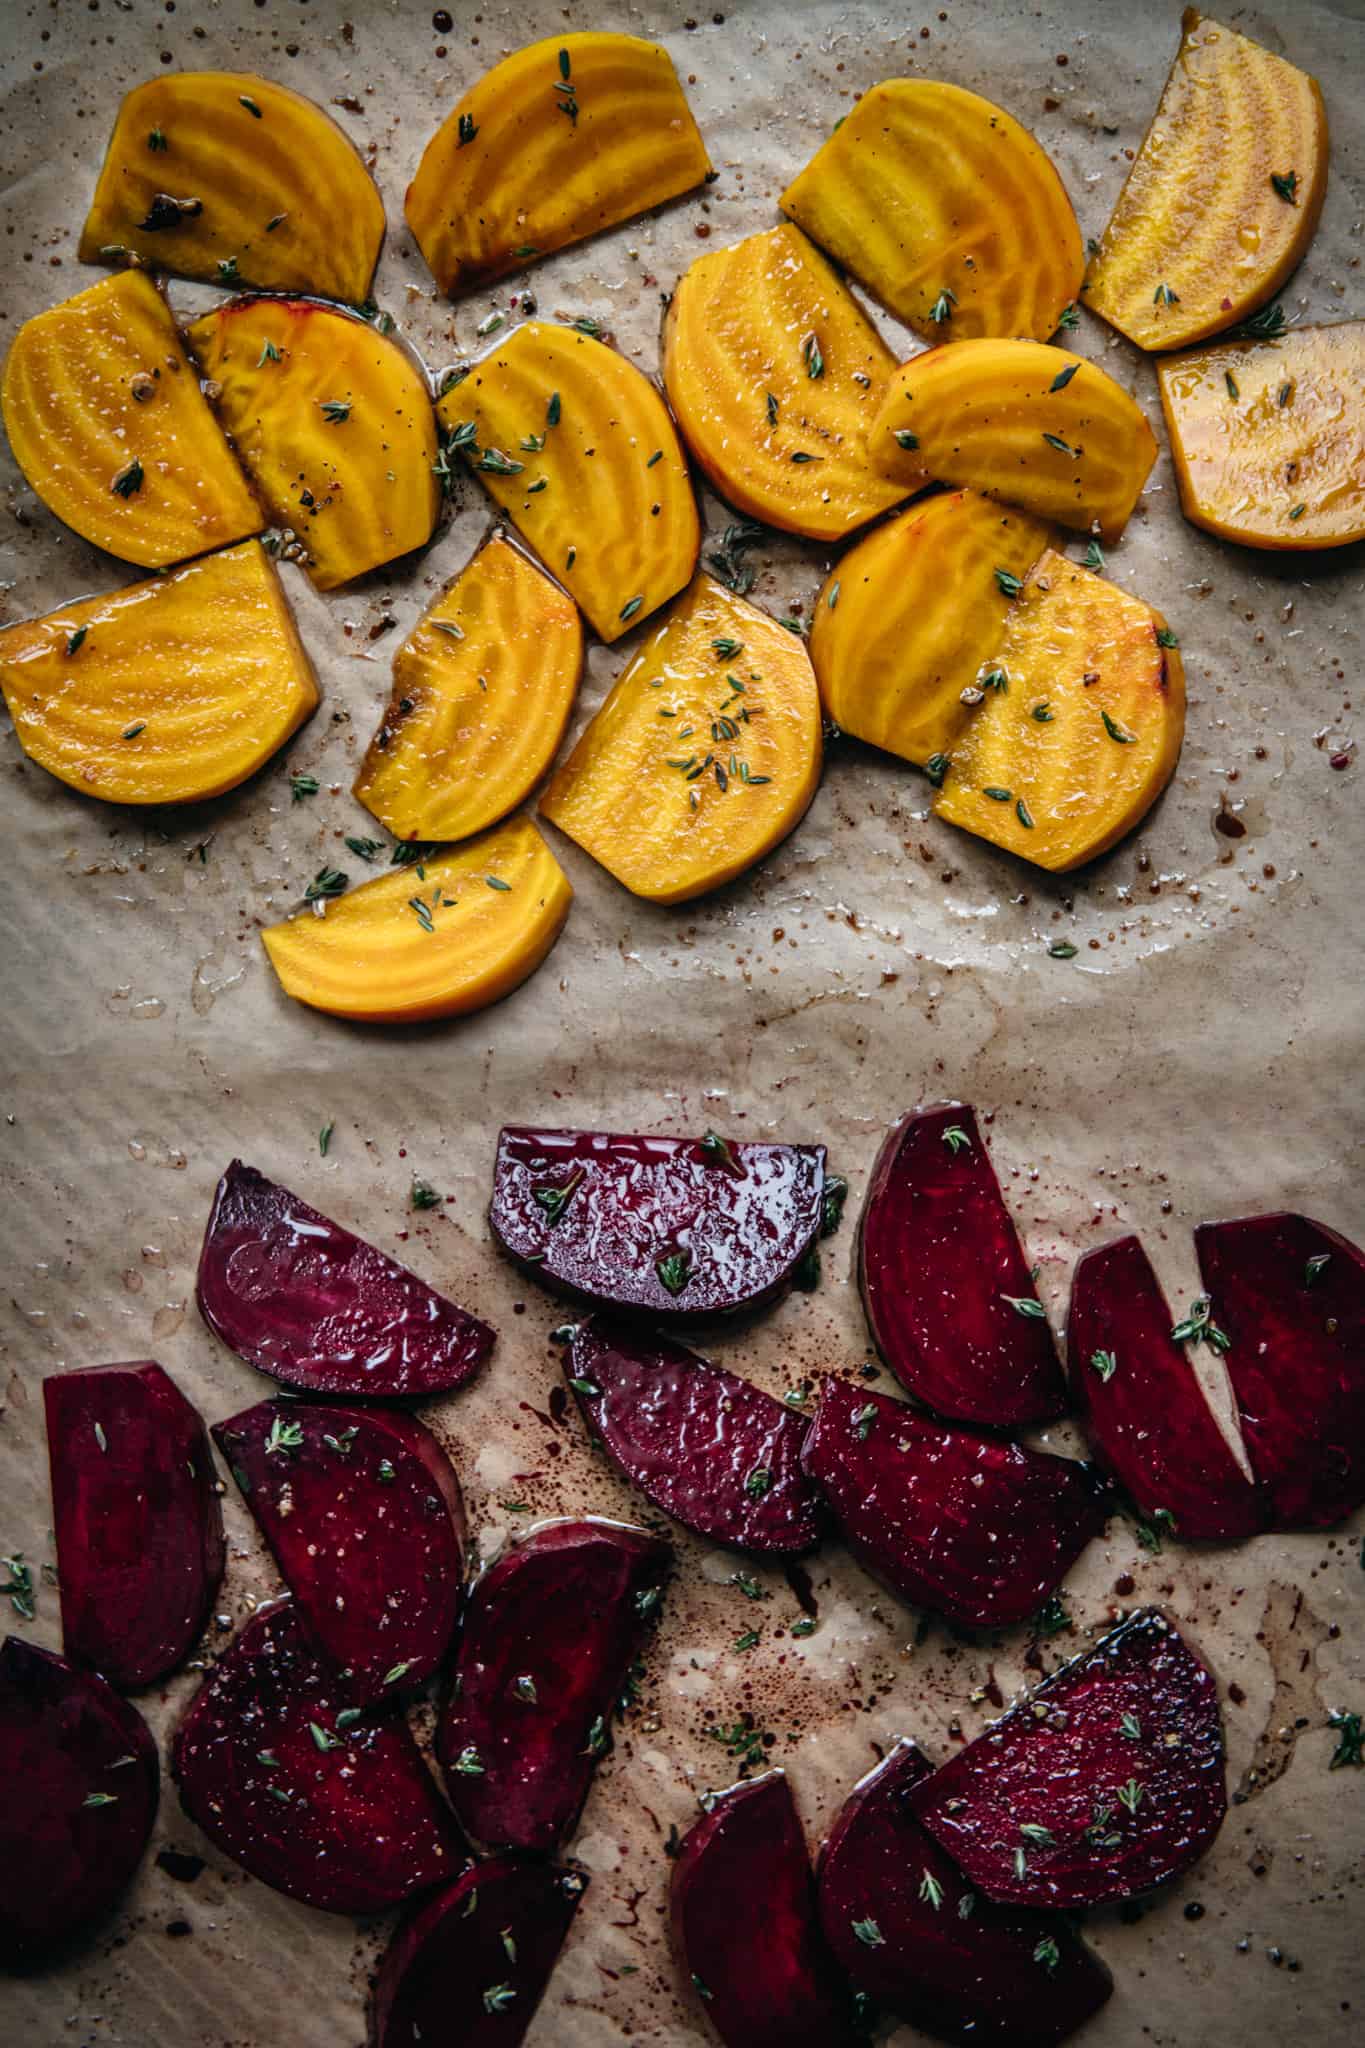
<point>164,692</point>
<point>1223,198</point>
<point>449,934</point>
<point>560,140</point>
<point>1081,729</point>
<point>946,209</point>
<point>226,176</point>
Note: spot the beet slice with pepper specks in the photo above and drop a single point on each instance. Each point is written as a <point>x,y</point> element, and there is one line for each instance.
<point>136,1512</point>
<point>545,1649</point>
<point>1106,1781</point>
<point>298,1297</point>
<point>973,1528</point>
<point>946,1286</point>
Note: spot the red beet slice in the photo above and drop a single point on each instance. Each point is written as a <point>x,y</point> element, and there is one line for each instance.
<point>364,1515</point>
<point>1106,1781</point>
<point>137,1517</point>
<point>918,1941</point>
<point>1144,1409</point>
<point>544,1652</point>
<point>677,1227</point>
<point>1290,1296</point>
<point>81,1784</point>
<point>974,1528</point>
<point>300,1298</point>
<point>340,1813</point>
<point>470,1966</point>
<point>717,1454</point>
<point>945,1283</point>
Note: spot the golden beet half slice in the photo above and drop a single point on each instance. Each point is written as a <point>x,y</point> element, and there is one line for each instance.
<point>1269,436</point>
<point>1224,196</point>
<point>705,755</point>
<point>1032,425</point>
<point>577,447</point>
<point>107,421</point>
<point>946,209</point>
<point>334,423</point>
<point>229,177</point>
<point>1081,729</point>
<point>775,375</point>
<point>167,691</point>
<point>482,690</point>
<point>449,935</point>
<point>560,140</point>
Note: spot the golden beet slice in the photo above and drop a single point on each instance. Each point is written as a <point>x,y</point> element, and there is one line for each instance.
<point>107,421</point>
<point>577,447</point>
<point>560,140</point>
<point>705,755</point>
<point>449,935</point>
<point>775,375</point>
<point>1017,420</point>
<point>164,692</point>
<point>334,423</point>
<point>482,690</point>
<point>946,209</point>
<point>226,176</point>
<point>1081,730</point>
<point>1267,436</point>
<point>1224,196</point>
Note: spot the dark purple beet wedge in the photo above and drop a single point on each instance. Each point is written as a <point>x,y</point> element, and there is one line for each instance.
<point>946,1286</point>
<point>917,1941</point>
<point>1144,1409</point>
<point>300,1298</point>
<point>81,1784</point>
<point>137,1518</point>
<point>1106,1781</point>
<point>717,1454</point>
<point>546,1645</point>
<point>364,1515</point>
<point>679,1227</point>
<point>744,1924</point>
<point>973,1528</point>
<point>1288,1294</point>
<point>282,1773</point>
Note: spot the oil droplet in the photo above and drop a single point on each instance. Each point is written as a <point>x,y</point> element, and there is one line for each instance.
<point>167,1320</point>
<point>148,1008</point>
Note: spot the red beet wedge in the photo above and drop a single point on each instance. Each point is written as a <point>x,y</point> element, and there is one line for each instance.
<point>945,1282</point>
<point>81,1785</point>
<point>974,1528</point>
<point>364,1515</point>
<point>136,1512</point>
<point>714,1452</point>
<point>337,1811</point>
<point>682,1227</point>
<point>300,1298</point>
<point>546,1645</point>
<point>1106,1781</point>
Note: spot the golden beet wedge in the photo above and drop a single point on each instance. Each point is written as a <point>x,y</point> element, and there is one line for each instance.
<point>560,140</point>
<point>946,209</point>
<point>1031,425</point>
<point>229,177</point>
<point>1269,437</point>
<point>775,375</point>
<point>107,421</point>
<point>577,447</point>
<point>1081,731</point>
<point>482,690</point>
<point>703,758</point>
<point>167,691</point>
<point>465,931</point>
<point>912,615</point>
<point>334,423</point>
<point>1223,198</point>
